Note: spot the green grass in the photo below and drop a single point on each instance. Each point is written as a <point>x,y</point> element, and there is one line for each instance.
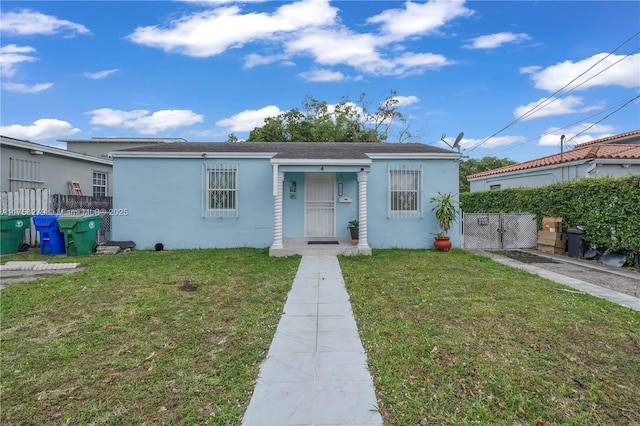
<point>172,337</point>
<point>177,337</point>
<point>457,339</point>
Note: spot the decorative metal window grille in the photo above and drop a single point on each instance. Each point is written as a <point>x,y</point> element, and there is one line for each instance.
<point>405,190</point>
<point>24,174</point>
<point>220,190</point>
<point>99,184</point>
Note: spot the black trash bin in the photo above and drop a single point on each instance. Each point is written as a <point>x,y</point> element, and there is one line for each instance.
<point>576,246</point>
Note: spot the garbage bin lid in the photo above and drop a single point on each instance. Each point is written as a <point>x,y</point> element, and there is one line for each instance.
<point>45,219</point>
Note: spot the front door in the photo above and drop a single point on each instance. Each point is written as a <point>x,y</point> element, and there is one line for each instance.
<point>320,205</point>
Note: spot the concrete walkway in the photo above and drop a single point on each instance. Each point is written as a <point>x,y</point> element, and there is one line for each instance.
<point>316,369</point>
<point>594,290</point>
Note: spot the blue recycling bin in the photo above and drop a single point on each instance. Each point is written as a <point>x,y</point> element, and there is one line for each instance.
<point>51,239</point>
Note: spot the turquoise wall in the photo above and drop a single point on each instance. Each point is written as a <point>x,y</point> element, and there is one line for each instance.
<point>163,199</point>
<point>293,208</point>
<point>391,232</point>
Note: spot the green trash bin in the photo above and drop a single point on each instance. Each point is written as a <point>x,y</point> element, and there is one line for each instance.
<point>12,228</point>
<point>80,233</point>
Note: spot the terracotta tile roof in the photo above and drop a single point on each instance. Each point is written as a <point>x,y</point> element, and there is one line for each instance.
<point>581,152</point>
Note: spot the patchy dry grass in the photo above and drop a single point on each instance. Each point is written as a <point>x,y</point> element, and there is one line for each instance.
<point>172,337</point>
<point>457,339</point>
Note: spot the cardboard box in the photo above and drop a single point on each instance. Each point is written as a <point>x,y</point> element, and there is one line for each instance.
<point>550,249</point>
<point>553,239</point>
<point>552,224</point>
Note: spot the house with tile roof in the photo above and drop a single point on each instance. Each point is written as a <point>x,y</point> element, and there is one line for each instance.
<point>290,197</point>
<point>613,156</point>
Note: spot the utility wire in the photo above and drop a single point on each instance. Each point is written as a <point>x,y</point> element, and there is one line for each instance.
<point>582,119</point>
<point>605,117</point>
<point>547,100</point>
<point>536,108</point>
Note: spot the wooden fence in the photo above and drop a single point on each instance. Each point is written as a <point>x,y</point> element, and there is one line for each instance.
<point>40,201</point>
<point>28,202</point>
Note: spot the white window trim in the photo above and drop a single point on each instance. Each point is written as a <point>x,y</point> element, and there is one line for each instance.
<point>410,168</point>
<point>105,186</point>
<point>207,169</point>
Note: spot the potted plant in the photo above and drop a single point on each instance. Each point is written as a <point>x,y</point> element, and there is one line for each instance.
<point>354,228</point>
<point>446,212</point>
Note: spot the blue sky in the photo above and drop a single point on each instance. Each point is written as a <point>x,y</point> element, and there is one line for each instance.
<point>512,75</point>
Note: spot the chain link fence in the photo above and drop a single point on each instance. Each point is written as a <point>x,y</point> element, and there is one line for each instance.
<point>84,205</point>
<point>486,231</point>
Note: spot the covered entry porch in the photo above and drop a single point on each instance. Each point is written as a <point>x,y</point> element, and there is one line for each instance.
<point>314,201</point>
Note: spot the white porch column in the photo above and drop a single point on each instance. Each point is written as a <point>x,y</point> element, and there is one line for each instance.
<point>362,210</point>
<point>277,211</point>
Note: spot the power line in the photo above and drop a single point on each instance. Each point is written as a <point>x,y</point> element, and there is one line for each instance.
<point>582,119</point>
<point>605,117</point>
<point>550,99</point>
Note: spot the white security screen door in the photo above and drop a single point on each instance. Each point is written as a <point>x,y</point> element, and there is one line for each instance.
<point>320,205</point>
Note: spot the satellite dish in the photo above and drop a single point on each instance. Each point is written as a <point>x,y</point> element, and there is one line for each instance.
<point>456,144</point>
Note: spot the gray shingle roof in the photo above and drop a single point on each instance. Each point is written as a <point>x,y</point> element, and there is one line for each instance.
<point>295,150</point>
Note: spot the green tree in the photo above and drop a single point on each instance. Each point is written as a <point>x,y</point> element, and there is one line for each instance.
<point>232,138</point>
<point>472,166</point>
<point>344,122</point>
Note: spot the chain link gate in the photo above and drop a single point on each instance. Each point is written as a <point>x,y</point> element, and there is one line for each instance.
<point>495,231</point>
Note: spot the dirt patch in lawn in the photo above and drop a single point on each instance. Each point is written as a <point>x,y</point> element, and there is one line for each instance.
<point>188,286</point>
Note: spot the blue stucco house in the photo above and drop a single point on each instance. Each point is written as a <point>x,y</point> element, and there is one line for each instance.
<point>290,197</point>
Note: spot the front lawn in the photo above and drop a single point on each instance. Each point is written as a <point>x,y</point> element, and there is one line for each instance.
<point>457,339</point>
<point>177,337</point>
<point>172,337</point>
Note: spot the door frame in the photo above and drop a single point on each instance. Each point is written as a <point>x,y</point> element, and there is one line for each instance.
<point>330,179</point>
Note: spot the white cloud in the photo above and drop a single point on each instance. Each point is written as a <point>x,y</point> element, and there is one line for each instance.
<point>623,72</point>
<point>13,55</point>
<point>24,88</point>
<point>494,142</point>
<point>253,60</point>
<point>144,123</point>
<point>29,22</point>
<point>558,106</point>
<point>248,120</point>
<point>333,47</point>
<point>530,70</point>
<point>211,32</point>
<point>44,128</point>
<point>493,41</point>
<point>360,51</point>
<point>308,28</point>
<point>419,18</point>
<point>100,74</point>
<point>406,100</point>
<point>411,61</point>
<point>321,76</point>
<point>591,132</point>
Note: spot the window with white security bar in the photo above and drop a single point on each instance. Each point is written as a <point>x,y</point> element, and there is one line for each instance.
<point>99,184</point>
<point>221,190</point>
<point>405,191</point>
<point>24,174</point>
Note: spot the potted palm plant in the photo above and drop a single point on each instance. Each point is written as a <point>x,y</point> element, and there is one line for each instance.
<point>446,211</point>
<point>354,229</point>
